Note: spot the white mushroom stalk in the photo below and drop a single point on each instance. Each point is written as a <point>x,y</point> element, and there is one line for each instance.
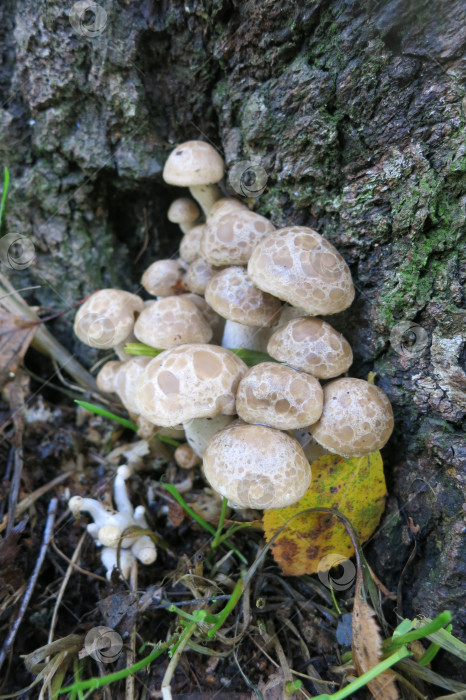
<point>109,527</point>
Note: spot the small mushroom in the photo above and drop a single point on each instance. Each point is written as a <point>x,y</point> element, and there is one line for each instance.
<point>190,381</point>
<point>299,266</point>
<point>106,379</point>
<point>232,294</point>
<point>197,165</point>
<point>172,321</point>
<point>230,239</point>
<point>198,275</point>
<point>279,396</point>
<point>190,246</point>
<point>224,206</point>
<point>184,212</point>
<point>163,278</point>
<point>256,467</point>
<point>357,418</point>
<point>106,318</point>
<point>313,346</point>
<point>185,456</point>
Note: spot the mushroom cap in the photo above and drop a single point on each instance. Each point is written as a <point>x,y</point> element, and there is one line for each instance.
<point>106,379</point>
<point>357,418</point>
<point>232,294</point>
<point>256,467</point>
<point>162,278</point>
<point>193,163</point>
<point>312,345</point>
<point>126,380</point>
<point>107,318</point>
<point>229,239</point>
<point>172,321</point>
<point>190,246</point>
<point>279,396</point>
<point>299,266</point>
<point>215,321</point>
<point>185,457</point>
<point>224,205</point>
<point>183,211</point>
<point>190,381</point>
<point>198,275</point>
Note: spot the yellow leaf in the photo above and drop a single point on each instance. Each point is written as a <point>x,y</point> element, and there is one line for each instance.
<point>315,542</point>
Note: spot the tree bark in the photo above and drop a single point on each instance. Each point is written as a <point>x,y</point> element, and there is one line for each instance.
<point>352,115</point>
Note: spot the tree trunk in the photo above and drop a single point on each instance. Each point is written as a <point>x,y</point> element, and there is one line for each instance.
<point>350,112</point>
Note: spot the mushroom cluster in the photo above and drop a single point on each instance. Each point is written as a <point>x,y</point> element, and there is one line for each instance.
<point>240,284</point>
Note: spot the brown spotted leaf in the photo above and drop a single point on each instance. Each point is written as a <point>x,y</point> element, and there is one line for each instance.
<point>366,646</point>
<point>314,542</point>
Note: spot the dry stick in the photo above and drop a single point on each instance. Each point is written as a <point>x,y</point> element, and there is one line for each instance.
<point>44,341</point>
<point>131,653</point>
<point>64,584</point>
<point>16,401</point>
<point>75,566</point>
<point>52,509</point>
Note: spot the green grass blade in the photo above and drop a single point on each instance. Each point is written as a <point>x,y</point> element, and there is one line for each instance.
<point>141,349</point>
<point>252,357</point>
<point>6,183</point>
<point>107,414</point>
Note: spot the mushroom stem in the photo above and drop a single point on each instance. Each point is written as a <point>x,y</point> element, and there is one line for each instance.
<point>206,195</point>
<point>237,335</point>
<point>120,491</point>
<point>198,431</point>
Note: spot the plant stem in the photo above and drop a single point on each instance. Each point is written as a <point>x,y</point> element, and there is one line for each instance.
<point>216,541</point>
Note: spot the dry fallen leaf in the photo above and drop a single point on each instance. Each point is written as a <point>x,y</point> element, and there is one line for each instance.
<point>355,487</point>
<point>367,650</point>
<point>15,336</point>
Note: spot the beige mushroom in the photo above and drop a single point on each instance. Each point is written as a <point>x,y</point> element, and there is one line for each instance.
<point>279,396</point>
<point>127,378</point>
<point>357,418</point>
<point>106,318</point>
<point>215,321</point>
<point>190,381</point>
<point>185,457</point>
<point>190,246</point>
<point>230,239</point>
<point>299,266</point>
<point>312,345</point>
<point>197,165</point>
<point>162,278</point>
<point>184,212</point>
<point>247,309</point>
<point>255,466</point>
<point>172,321</point>
<point>106,379</point>
<point>224,206</point>
<point>198,275</point>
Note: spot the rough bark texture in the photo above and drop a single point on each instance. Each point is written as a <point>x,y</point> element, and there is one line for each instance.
<point>355,111</point>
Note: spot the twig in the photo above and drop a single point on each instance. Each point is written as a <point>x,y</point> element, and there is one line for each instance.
<point>64,584</point>
<point>52,509</point>
<point>75,566</point>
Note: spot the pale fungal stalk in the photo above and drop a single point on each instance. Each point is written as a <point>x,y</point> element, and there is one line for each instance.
<point>109,525</point>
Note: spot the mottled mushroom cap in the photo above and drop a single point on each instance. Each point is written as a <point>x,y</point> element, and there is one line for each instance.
<point>183,211</point>
<point>162,278</point>
<point>190,246</point>
<point>224,205</point>
<point>127,378</point>
<point>232,294</point>
<point>106,379</point>
<point>190,381</point>
<point>193,163</point>
<point>107,318</point>
<point>357,418</point>
<point>256,467</point>
<point>198,275</point>
<point>279,396</point>
<point>312,345</point>
<point>230,239</point>
<point>299,266</point>
<point>172,321</point>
